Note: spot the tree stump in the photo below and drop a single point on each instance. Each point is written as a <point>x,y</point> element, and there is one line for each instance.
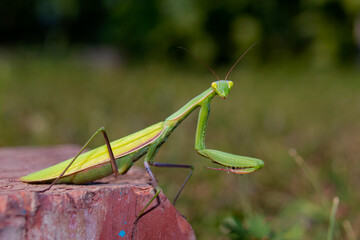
<point>104,209</point>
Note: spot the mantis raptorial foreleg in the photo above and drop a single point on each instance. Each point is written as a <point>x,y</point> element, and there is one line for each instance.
<point>111,155</point>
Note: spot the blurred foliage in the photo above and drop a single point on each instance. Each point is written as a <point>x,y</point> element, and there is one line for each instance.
<point>298,219</point>
<point>322,30</point>
<point>253,227</point>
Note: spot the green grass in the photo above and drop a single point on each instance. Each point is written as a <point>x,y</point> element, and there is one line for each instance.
<point>271,109</point>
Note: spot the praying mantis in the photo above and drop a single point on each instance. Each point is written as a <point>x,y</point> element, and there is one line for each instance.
<point>120,155</point>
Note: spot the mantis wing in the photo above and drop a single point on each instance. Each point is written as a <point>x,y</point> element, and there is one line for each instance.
<point>100,155</point>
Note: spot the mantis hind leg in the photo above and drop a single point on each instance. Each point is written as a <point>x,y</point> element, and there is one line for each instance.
<point>111,155</point>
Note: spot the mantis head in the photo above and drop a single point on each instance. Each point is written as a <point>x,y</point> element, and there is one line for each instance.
<point>222,87</point>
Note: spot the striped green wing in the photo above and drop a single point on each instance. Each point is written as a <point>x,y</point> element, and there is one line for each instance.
<point>100,155</point>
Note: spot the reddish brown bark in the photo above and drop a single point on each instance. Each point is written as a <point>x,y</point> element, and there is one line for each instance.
<point>105,209</point>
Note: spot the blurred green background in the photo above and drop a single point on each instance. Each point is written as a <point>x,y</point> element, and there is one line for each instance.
<point>68,67</point>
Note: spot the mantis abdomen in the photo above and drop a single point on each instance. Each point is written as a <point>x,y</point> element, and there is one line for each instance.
<point>95,164</point>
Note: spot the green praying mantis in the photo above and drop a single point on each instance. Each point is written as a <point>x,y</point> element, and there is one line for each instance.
<point>119,156</point>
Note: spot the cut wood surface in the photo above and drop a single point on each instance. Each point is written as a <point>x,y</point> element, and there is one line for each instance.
<point>105,209</point>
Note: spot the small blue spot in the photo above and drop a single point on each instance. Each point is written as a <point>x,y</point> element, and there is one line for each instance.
<point>122,233</point>
<point>23,211</point>
<point>125,222</point>
<point>120,192</point>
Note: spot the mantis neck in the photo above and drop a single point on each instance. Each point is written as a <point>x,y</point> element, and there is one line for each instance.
<point>202,101</point>
<point>188,108</point>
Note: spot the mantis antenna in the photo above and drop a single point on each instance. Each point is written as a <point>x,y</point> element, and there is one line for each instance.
<point>240,58</point>
<point>197,58</point>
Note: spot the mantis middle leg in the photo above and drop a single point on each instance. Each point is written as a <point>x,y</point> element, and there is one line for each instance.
<point>169,165</point>
<point>148,161</point>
